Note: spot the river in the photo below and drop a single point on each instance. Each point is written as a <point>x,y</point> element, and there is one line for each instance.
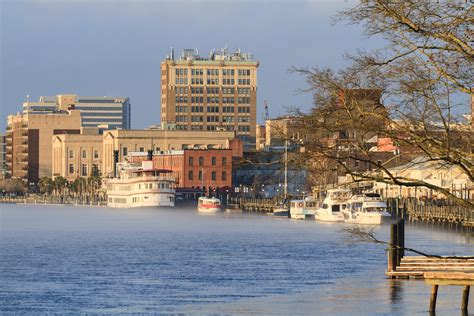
<point>63,259</point>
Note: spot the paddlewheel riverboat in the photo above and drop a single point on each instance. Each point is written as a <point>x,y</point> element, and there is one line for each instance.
<point>140,185</point>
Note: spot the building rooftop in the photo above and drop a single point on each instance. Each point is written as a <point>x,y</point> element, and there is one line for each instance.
<point>214,55</point>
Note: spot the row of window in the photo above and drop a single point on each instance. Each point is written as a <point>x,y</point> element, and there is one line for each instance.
<point>85,119</point>
<point>213,81</point>
<point>213,175</point>
<point>243,128</point>
<point>200,100</point>
<point>72,153</point>
<point>201,161</point>
<point>84,170</point>
<point>102,114</point>
<point>212,109</point>
<point>212,72</point>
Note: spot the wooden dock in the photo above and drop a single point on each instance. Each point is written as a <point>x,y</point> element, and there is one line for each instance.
<point>415,267</point>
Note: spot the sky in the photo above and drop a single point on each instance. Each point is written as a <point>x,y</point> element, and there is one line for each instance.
<point>114,48</point>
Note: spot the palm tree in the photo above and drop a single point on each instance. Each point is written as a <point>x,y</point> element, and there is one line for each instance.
<point>46,185</point>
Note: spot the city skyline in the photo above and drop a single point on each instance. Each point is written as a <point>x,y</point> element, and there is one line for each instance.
<point>137,39</point>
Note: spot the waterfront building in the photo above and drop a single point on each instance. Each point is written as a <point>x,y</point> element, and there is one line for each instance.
<point>195,170</point>
<point>125,141</point>
<point>260,137</point>
<point>77,155</point>
<point>211,94</point>
<point>28,143</point>
<point>103,112</point>
<point>3,151</point>
<point>288,127</point>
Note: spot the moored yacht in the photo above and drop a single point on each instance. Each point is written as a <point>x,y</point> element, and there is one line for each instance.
<point>208,205</point>
<point>140,185</point>
<point>303,209</point>
<point>333,206</point>
<point>367,208</point>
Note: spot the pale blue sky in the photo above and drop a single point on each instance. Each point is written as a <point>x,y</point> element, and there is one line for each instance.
<point>115,47</point>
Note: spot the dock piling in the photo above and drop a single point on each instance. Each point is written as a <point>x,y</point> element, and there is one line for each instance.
<point>434,296</point>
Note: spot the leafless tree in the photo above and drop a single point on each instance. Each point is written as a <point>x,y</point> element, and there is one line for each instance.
<point>412,91</point>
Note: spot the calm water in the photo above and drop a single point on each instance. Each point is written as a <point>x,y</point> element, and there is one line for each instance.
<point>99,260</point>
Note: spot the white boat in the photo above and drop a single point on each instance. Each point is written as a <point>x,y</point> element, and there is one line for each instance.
<point>303,209</point>
<point>139,185</point>
<point>367,209</point>
<point>279,211</point>
<point>208,205</point>
<point>333,206</point>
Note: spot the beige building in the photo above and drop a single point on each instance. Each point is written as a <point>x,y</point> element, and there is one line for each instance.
<point>209,94</point>
<point>260,137</point>
<point>126,141</point>
<point>28,143</point>
<point>77,155</point>
<point>277,130</point>
<point>3,149</point>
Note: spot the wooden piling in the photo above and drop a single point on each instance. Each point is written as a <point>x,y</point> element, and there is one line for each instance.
<point>434,296</point>
<point>401,239</point>
<point>392,249</point>
<point>465,299</point>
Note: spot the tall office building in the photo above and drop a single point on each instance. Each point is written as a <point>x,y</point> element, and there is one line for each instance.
<point>102,112</point>
<point>214,93</point>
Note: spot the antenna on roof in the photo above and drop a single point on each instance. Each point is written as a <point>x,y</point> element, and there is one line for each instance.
<point>172,53</point>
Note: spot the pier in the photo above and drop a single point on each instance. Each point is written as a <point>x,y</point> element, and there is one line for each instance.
<point>435,270</point>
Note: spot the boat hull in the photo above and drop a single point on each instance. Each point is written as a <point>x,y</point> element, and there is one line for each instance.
<point>141,200</point>
<point>369,219</point>
<point>209,209</point>
<point>325,217</point>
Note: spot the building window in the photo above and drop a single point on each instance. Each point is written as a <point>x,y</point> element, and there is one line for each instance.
<point>84,154</point>
<point>191,161</point>
<point>84,170</point>
<point>224,161</point>
<point>95,170</point>
<point>214,161</point>
<point>124,151</point>
<point>200,175</point>
<point>224,176</point>
<point>96,154</point>
<point>201,161</point>
<point>190,175</point>
<point>71,153</point>
<point>213,176</point>
<point>142,149</point>
<point>71,168</point>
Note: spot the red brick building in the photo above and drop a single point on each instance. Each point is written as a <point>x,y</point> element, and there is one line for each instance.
<point>195,168</point>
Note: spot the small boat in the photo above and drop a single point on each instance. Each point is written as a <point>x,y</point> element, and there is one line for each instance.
<point>303,209</point>
<point>333,206</point>
<point>140,185</point>
<point>280,211</point>
<point>208,205</point>
<point>366,209</point>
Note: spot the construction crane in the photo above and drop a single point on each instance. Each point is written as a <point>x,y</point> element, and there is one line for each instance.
<point>266,115</point>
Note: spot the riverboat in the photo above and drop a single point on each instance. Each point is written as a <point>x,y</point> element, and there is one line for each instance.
<point>367,209</point>
<point>208,205</point>
<point>333,206</point>
<point>303,209</point>
<point>140,185</point>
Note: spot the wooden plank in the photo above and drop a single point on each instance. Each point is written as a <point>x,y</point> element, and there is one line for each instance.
<point>447,263</point>
<point>449,282</point>
<point>449,275</point>
<point>424,268</point>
